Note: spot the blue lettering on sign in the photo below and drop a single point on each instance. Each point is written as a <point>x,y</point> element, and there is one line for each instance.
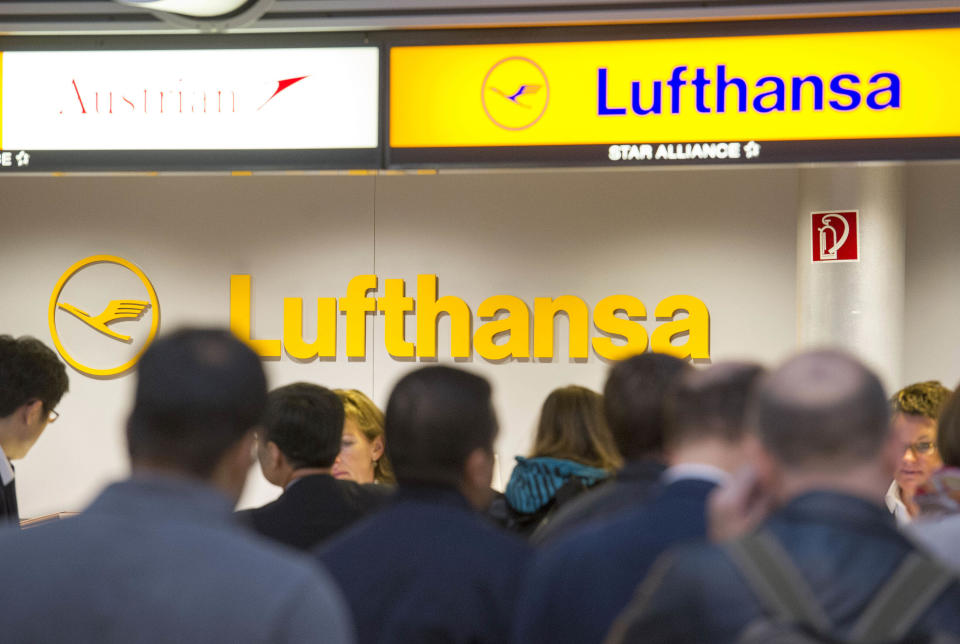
<point>772,93</point>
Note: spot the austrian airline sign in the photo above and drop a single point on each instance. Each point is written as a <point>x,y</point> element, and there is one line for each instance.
<point>745,98</point>
<point>252,99</point>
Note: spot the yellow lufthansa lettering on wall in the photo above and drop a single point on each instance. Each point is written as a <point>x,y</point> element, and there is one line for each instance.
<point>124,310</point>
<point>882,84</point>
<point>504,332</point>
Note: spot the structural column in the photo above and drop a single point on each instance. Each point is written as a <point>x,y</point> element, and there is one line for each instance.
<point>857,306</point>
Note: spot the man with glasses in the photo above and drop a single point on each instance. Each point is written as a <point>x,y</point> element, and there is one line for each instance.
<point>915,410</point>
<point>32,381</point>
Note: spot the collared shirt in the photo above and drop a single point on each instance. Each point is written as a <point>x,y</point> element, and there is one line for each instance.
<point>6,470</point>
<point>701,471</point>
<point>896,505</point>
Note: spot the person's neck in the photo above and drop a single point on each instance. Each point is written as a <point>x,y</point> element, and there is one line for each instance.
<point>9,444</point>
<point>725,455</point>
<point>301,472</point>
<point>864,481</point>
<point>907,497</point>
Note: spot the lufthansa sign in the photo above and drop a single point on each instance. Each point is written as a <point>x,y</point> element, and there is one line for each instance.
<point>681,99</point>
<point>103,315</point>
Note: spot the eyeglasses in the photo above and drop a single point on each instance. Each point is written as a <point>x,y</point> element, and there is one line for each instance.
<point>922,448</point>
<point>54,415</point>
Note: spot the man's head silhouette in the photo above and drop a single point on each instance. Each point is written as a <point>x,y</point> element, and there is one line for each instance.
<point>200,394</point>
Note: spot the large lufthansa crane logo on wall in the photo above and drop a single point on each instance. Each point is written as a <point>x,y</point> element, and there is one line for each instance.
<point>103,315</point>
<point>515,93</point>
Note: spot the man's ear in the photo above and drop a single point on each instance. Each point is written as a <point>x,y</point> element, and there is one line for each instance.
<point>277,459</point>
<point>477,475</point>
<point>31,412</point>
<point>763,463</point>
<point>892,453</point>
<point>230,475</point>
<point>376,448</point>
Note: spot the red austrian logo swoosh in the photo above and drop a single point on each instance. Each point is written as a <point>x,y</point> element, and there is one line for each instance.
<point>282,85</point>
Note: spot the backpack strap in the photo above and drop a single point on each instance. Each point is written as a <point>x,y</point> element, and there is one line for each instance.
<point>912,588</point>
<point>776,582</point>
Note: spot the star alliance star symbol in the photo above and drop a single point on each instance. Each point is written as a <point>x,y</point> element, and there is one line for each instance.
<point>752,149</point>
<point>23,158</point>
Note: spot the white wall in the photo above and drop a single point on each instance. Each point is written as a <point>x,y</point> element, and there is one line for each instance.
<point>726,236</point>
<point>932,318</point>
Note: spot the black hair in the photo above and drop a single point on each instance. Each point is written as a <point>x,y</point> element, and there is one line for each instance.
<point>29,370</point>
<point>306,423</point>
<point>634,399</point>
<point>711,403</point>
<point>199,391</point>
<point>436,417</point>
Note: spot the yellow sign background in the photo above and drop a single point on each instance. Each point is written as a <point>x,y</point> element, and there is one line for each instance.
<point>435,93</point>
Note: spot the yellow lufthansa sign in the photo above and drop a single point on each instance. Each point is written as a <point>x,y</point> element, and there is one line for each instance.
<point>867,85</point>
<point>124,296</point>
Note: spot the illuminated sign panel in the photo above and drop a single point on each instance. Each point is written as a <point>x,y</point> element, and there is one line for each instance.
<point>190,100</point>
<point>690,99</point>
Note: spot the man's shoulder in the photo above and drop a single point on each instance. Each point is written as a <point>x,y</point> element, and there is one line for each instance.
<point>604,501</point>
<point>437,533</point>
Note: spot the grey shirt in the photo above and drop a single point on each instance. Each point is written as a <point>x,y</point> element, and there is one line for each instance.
<point>939,536</point>
<point>160,560</point>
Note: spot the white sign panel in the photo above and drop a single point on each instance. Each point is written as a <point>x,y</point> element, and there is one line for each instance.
<point>240,99</point>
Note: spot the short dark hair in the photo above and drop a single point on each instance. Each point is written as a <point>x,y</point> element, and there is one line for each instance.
<point>711,403</point>
<point>633,402</point>
<point>29,370</point>
<point>921,399</point>
<point>821,409</point>
<point>199,391</point>
<point>435,418</point>
<point>306,423</point>
<point>948,431</point>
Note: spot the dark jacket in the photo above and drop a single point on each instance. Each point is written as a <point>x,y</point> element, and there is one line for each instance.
<point>539,487</point>
<point>845,548</point>
<point>160,560</point>
<point>428,568</point>
<point>578,585</point>
<point>9,514</point>
<point>635,483</point>
<point>314,508</point>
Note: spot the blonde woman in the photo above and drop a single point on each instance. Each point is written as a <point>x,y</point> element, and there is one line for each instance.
<point>362,457</point>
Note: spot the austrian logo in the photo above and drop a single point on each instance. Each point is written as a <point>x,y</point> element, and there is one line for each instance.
<point>103,315</point>
<point>515,93</point>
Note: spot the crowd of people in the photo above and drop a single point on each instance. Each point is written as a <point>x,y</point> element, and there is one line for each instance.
<point>725,503</point>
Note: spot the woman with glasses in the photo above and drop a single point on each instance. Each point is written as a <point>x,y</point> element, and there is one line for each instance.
<point>915,411</point>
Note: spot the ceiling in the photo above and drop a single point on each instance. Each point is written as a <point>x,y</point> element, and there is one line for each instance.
<point>51,17</point>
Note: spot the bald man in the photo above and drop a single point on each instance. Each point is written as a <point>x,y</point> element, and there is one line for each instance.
<point>824,449</point>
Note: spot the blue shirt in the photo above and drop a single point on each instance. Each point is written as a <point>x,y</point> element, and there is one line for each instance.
<point>579,584</point>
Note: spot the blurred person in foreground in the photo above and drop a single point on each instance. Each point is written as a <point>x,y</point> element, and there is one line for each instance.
<point>633,406</point>
<point>158,557</point>
<point>829,564</point>
<point>939,498</point>
<point>915,410</point>
<point>578,585</point>
<point>32,382</point>
<point>572,451</point>
<point>362,456</point>
<point>296,448</point>
<point>429,568</point>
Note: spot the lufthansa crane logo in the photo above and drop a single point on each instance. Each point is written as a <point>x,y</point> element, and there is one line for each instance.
<point>515,93</point>
<point>106,310</point>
